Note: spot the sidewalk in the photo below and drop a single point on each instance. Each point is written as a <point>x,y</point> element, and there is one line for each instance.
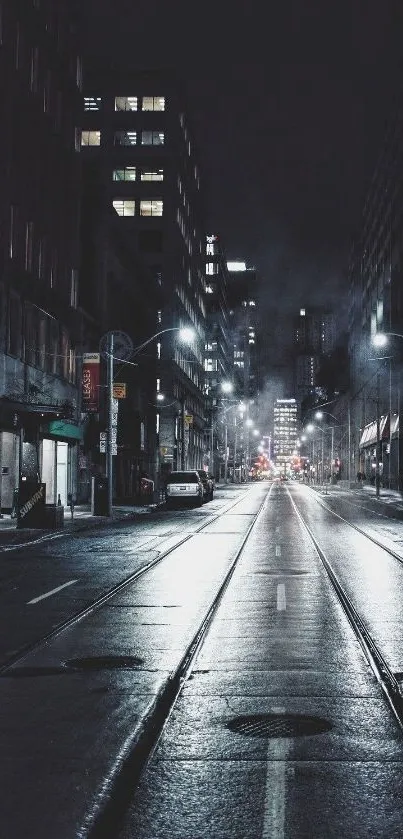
<point>13,536</point>
<point>390,497</point>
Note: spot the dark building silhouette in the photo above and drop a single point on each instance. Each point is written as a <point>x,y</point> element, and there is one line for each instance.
<point>40,97</point>
<point>137,137</point>
<point>376,306</point>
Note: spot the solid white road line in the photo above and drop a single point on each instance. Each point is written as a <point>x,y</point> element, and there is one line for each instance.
<point>275,792</point>
<point>281,601</point>
<point>49,593</point>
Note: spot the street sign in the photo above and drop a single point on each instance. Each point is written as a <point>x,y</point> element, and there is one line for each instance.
<point>188,419</point>
<point>103,441</point>
<point>119,390</point>
<point>122,345</point>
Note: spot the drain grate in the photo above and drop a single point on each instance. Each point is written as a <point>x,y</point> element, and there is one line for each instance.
<point>278,725</point>
<point>105,662</point>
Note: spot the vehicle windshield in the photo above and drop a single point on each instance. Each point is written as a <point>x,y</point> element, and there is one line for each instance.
<point>183,478</point>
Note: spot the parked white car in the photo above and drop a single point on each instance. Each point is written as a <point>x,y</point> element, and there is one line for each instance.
<point>184,487</point>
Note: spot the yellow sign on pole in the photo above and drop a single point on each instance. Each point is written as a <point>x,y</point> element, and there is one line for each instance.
<point>119,390</point>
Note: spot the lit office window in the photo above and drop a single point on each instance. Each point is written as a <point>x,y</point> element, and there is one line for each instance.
<point>152,175</point>
<point>125,138</point>
<point>124,207</point>
<point>125,103</point>
<point>153,103</point>
<point>127,174</point>
<point>90,138</point>
<point>92,103</point>
<point>151,207</point>
<point>152,138</point>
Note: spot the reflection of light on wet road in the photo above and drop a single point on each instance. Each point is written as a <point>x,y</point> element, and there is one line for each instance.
<point>281,601</point>
<point>274,799</point>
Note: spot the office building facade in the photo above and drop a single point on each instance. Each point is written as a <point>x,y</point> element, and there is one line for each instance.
<point>39,247</point>
<point>136,130</point>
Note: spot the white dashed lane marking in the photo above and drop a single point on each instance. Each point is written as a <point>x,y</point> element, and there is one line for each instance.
<point>49,593</point>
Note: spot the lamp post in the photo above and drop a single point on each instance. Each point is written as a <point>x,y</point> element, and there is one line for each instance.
<point>226,387</point>
<point>186,334</point>
<point>311,428</point>
<point>319,416</point>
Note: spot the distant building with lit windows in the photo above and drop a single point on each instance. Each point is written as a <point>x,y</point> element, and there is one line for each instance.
<point>218,356</point>
<point>285,431</point>
<point>243,310</point>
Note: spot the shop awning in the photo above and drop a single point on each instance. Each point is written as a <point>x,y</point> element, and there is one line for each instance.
<point>19,405</point>
<point>369,435</point>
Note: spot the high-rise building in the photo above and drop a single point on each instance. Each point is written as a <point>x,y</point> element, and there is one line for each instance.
<point>218,358</point>
<point>136,129</point>
<point>40,101</point>
<point>314,336</point>
<point>285,432</point>
<point>376,306</point>
<point>243,309</point>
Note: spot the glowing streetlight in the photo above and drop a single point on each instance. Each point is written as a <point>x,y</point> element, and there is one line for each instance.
<point>227,387</point>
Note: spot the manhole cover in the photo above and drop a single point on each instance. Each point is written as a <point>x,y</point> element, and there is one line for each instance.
<point>105,662</point>
<point>278,725</point>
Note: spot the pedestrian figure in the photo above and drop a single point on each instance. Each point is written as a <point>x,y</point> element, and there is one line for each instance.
<point>70,502</point>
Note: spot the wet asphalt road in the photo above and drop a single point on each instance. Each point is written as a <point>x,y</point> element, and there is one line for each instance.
<point>279,646</point>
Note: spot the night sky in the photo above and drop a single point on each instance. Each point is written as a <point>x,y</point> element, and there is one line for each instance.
<point>289,106</point>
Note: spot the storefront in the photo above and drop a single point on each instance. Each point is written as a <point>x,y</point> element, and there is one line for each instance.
<point>37,444</point>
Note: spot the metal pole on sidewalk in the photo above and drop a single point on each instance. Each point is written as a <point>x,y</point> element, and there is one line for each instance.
<point>378,435</point>
<point>226,451</point>
<point>109,456</point>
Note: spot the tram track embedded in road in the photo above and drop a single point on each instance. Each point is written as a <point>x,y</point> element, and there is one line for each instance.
<point>121,784</point>
<point>19,655</point>
<point>384,675</point>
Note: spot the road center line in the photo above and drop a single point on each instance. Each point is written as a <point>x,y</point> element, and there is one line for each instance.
<point>275,791</point>
<point>49,593</point>
<point>278,550</point>
<point>281,601</point>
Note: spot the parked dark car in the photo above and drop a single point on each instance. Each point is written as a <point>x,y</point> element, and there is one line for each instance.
<point>208,485</point>
<point>182,487</point>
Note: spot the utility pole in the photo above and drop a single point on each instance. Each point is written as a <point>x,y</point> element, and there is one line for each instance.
<point>235,447</point>
<point>378,434</point>
<point>226,450</point>
<point>109,455</point>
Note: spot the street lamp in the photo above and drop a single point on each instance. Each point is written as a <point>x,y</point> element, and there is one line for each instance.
<point>186,334</point>
<point>319,416</point>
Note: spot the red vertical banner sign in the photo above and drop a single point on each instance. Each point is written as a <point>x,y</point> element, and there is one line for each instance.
<point>90,382</point>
